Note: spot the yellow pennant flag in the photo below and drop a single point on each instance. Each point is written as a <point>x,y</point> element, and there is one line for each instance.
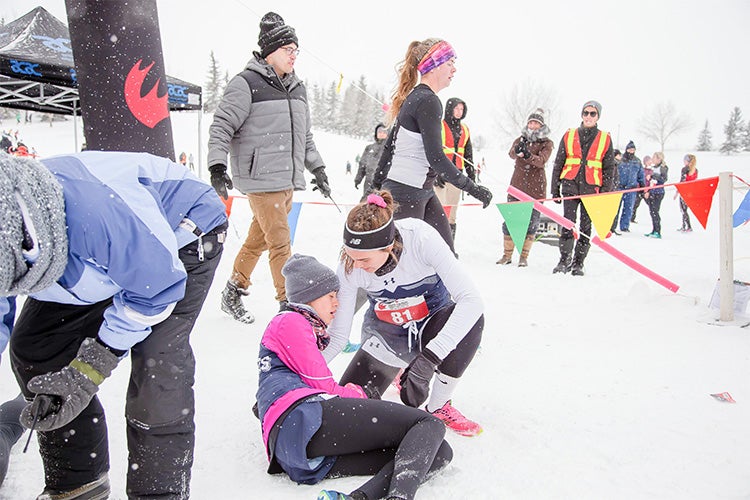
<point>602,210</point>
<point>341,80</point>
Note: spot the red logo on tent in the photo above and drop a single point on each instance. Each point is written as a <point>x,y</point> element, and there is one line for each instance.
<point>149,109</point>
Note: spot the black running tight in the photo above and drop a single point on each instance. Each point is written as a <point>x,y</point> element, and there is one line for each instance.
<point>397,444</point>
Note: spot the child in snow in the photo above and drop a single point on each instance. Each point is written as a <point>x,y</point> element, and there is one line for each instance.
<point>314,428</point>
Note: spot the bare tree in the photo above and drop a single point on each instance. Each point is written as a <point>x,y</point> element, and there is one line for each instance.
<point>662,122</point>
<point>519,102</point>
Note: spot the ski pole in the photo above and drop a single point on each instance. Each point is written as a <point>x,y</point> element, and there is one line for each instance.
<point>334,203</point>
<point>44,405</point>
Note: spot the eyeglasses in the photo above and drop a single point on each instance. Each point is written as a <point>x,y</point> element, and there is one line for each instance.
<point>589,113</point>
<point>290,50</point>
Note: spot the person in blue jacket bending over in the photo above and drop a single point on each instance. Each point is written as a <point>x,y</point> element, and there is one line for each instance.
<point>115,253</point>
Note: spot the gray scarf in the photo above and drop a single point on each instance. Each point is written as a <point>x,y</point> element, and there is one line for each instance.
<point>32,219</point>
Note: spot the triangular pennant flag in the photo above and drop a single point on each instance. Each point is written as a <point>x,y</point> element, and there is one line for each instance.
<point>743,211</point>
<point>447,209</point>
<point>602,210</point>
<point>698,196</point>
<point>517,217</point>
<point>227,204</point>
<point>292,219</point>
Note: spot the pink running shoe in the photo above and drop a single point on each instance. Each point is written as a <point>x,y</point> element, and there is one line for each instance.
<point>456,422</point>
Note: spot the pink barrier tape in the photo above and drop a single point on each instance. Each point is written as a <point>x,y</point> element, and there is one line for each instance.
<point>517,193</point>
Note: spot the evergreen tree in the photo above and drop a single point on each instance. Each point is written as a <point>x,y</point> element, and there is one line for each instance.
<point>746,137</point>
<point>331,108</point>
<point>212,91</point>
<point>347,117</point>
<point>704,139</point>
<point>733,133</point>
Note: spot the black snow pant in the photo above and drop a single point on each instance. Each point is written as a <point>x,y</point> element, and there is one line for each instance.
<point>654,206</point>
<point>420,204</point>
<point>159,404</point>
<point>365,368</point>
<point>397,444</point>
<point>570,212</point>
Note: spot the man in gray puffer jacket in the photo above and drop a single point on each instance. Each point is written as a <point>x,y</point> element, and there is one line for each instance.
<point>263,124</point>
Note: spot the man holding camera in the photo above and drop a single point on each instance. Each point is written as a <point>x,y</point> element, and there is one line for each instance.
<point>584,165</point>
<point>530,150</point>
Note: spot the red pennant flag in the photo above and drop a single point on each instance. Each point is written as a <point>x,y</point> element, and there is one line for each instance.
<point>228,204</point>
<point>698,196</point>
<point>447,209</point>
<point>723,396</point>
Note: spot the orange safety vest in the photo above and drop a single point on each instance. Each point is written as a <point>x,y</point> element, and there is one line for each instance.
<point>593,158</point>
<point>451,149</point>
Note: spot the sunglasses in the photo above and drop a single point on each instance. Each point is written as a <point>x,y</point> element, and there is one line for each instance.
<point>589,113</point>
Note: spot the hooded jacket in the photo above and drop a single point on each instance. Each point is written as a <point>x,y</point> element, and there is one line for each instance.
<point>528,174</point>
<point>263,124</point>
<point>454,125</point>
<point>368,162</point>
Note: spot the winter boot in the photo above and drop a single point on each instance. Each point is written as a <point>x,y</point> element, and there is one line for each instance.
<point>508,247</point>
<point>566,248</point>
<point>95,490</point>
<point>231,303</point>
<point>523,262</point>
<point>576,268</point>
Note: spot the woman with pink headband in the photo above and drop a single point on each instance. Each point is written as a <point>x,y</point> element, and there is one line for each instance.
<point>425,314</point>
<point>413,154</point>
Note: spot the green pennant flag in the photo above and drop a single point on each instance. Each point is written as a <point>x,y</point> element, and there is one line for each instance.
<point>517,216</point>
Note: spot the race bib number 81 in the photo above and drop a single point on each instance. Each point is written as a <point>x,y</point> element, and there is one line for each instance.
<point>402,311</point>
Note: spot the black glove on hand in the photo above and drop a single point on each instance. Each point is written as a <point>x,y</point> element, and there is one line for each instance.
<point>71,388</point>
<point>556,193</point>
<point>471,173</point>
<point>415,381</point>
<point>440,181</point>
<point>321,182</point>
<point>220,180</point>
<point>481,193</point>
<point>371,391</point>
<point>356,184</point>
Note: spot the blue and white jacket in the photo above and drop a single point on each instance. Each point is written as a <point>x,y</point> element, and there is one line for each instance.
<point>127,216</point>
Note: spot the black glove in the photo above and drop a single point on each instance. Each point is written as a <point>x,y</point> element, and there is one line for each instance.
<point>440,181</point>
<point>61,396</point>
<point>481,193</point>
<point>522,145</point>
<point>321,182</point>
<point>556,193</point>
<point>220,180</point>
<point>471,173</point>
<point>371,391</point>
<point>415,381</point>
<point>356,184</point>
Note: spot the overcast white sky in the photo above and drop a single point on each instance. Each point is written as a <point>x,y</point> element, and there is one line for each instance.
<point>628,56</point>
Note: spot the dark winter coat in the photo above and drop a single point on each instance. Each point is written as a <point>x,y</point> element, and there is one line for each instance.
<point>631,172</point>
<point>264,127</point>
<point>579,186</point>
<point>454,125</point>
<point>368,162</point>
<point>659,177</point>
<point>529,175</point>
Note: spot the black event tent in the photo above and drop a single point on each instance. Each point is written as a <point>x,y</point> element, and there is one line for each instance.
<point>37,71</point>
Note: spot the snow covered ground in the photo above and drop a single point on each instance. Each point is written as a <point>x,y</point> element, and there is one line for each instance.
<point>587,387</point>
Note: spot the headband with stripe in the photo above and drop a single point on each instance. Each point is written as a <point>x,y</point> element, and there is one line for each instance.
<point>375,239</point>
<point>440,53</point>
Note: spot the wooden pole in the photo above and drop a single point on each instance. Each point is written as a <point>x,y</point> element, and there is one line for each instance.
<point>726,257</point>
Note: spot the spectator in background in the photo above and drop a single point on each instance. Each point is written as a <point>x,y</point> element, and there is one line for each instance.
<point>263,123</point>
<point>457,147</point>
<point>348,167</point>
<point>584,165</point>
<point>530,153</point>
<point>616,184</point>
<point>658,177</point>
<point>647,164</point>
<point>631,176</point>
<point>368,161</point>
<point>688,173</point>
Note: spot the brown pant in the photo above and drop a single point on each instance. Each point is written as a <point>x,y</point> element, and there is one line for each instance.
<point>269,230</point>
<point>449,195</point>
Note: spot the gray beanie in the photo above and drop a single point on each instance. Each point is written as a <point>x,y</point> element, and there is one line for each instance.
<point>595,105</point>
<point>307,279</point>
<point>32,227</point>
